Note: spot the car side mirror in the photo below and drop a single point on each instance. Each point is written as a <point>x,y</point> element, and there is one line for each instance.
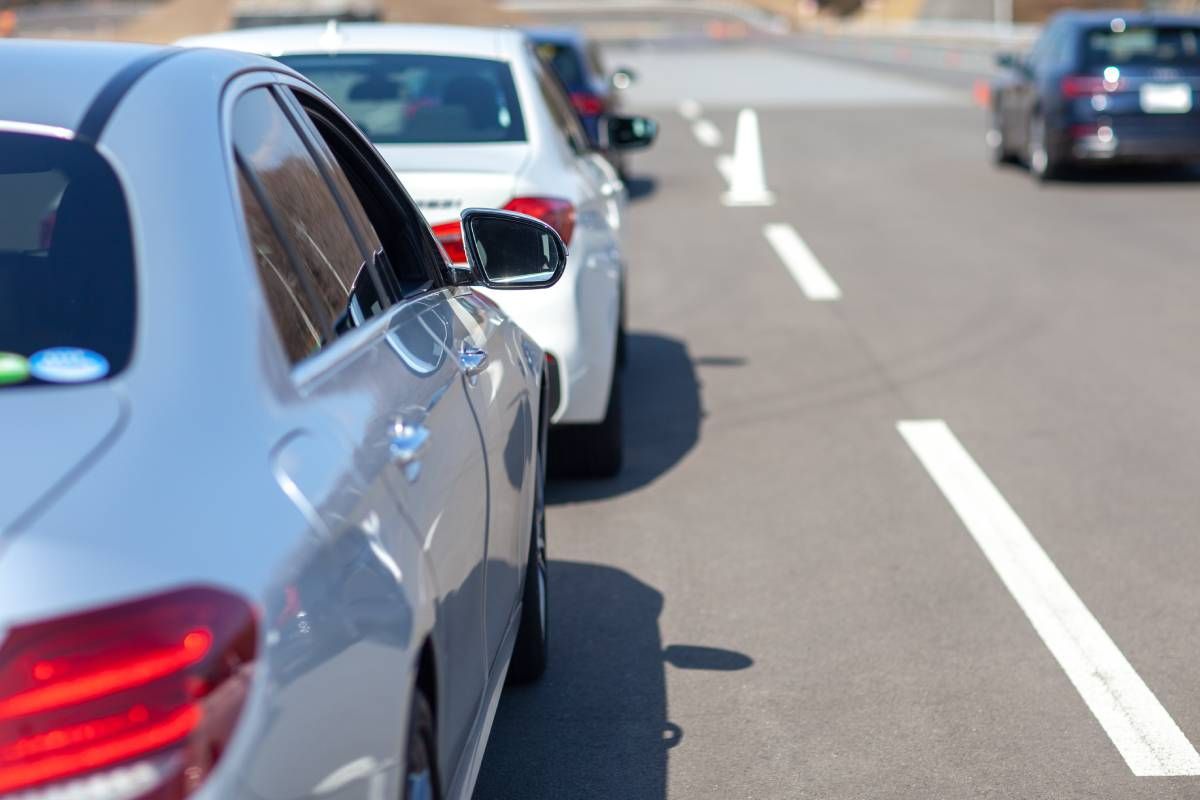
<point>622,78</point>
<point>631,133</point>
<point>507,250</point>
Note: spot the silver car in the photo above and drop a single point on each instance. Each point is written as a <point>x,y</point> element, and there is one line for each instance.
<point>272,503</point>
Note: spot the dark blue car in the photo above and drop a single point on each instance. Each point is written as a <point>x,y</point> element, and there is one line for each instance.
<point>594,92</point>
<point>1100,87</point>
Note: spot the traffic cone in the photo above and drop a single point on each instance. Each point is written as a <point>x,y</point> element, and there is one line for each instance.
<point>747,179</point>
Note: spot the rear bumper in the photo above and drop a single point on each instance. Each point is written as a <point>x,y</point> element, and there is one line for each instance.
<point>1136,139</point>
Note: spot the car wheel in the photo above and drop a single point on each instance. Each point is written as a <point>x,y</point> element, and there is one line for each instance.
<point>1043,164</point>
<point>531,650</point>
<point>420,779</point>
<point>591,451</point>
<point>997,145</point>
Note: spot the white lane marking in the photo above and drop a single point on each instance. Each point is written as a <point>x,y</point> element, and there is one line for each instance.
<point>706,133</point>
<point>1130,714</point>
<point>690,110</point>
<point>800,261</point>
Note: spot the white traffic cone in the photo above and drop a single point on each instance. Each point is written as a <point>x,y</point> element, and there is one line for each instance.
<point>747,180</point>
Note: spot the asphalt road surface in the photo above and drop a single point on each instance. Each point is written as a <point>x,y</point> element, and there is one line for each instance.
<point>934,538</point>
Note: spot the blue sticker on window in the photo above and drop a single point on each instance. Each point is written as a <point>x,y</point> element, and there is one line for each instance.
<point>68,365</point>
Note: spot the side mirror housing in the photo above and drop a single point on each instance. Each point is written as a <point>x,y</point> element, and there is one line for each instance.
<point>622,78</point>
<point>506,250</point>
<point>631,133</point>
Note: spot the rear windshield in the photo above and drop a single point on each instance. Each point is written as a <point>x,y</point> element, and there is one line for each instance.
<point>566,63</point>
<point>66,264</point>
<point>418,99</point>
<point>1175,46</point>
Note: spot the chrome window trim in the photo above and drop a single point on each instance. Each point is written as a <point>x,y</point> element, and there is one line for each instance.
<point>36,129</point>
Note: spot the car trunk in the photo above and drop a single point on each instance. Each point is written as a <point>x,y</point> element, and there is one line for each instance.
<point>51,435</point>
<point>445,179</point>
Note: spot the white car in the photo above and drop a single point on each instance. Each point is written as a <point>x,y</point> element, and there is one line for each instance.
<point>470,117</point>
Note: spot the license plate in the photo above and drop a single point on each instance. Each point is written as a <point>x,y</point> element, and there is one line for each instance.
<point>1166,98</point>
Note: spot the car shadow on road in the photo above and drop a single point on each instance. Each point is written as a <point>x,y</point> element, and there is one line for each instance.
<point>1124,174</point>
<point>596,726</point>
<point>662,415</point>
<point>640,187</point>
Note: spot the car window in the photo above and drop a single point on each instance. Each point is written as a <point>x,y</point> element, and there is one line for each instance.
<point>565,62</point>
<point>419,99</point>
<point>300,325</point>
<point>1146,45</point>
<point>565,118</point>
<point>595,61</point>
<point>408,262</point>
<point>291,187</point>
<point>67,284</point>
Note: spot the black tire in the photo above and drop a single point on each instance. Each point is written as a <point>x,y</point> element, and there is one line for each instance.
<point>420,764</point>
<point>591,451</point>
<point>1044,163</point>
<point>532,648</point>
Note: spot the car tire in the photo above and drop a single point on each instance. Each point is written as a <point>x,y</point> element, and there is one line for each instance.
<point>420,764</point>
<point>1043,163</point>
<point>998,148</point>
<point>532,648</point>
<point>591,451</point>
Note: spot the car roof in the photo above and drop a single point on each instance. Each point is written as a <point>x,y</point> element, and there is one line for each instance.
<point>369,37</point>
<point>562,36</point>
<point>60,80</point>
<point>1136,18</point>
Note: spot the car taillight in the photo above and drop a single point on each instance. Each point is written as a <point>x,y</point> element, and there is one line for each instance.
<point>136,700</point>
<point>1074,86</point>
<point>555,212</point>
<point>587,104</point>
<point>449,234</point>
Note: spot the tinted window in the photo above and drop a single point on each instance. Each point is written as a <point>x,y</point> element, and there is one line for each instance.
<point>66,264</point>
<point>565,118</point>
<point>1146,45</point>
<point>331,264</point>
<point>565,61</point>
<point>297,320</point>
<point>418,99</point>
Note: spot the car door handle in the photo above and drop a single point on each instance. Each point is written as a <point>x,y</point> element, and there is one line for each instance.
<point>408,443</point>
<point>473,360</point>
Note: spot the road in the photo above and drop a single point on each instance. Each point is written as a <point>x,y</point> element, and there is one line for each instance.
<point>787,596</point>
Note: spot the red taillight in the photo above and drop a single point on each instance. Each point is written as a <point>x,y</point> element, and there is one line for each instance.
<point>587,104</point>
<point>1074,86</point>
<point>158,680</point>
<point>555,212</point>
<point>449,235</point>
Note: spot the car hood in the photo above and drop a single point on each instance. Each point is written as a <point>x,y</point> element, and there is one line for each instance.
<point>445,179</point>
<point>51,436</point>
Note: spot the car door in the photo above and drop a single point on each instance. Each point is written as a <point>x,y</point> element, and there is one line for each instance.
<point>498,377</point>
<point>345,619</point>
<point>436,462</point>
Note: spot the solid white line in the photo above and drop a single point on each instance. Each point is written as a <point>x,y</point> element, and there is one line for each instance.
<point>690,110</point>
<point>706,133</point>
<point>800,261</point>
<point>1130,714</point>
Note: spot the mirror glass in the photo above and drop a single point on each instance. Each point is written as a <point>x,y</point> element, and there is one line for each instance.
<point>515,253</point>
<point>631,133</point>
